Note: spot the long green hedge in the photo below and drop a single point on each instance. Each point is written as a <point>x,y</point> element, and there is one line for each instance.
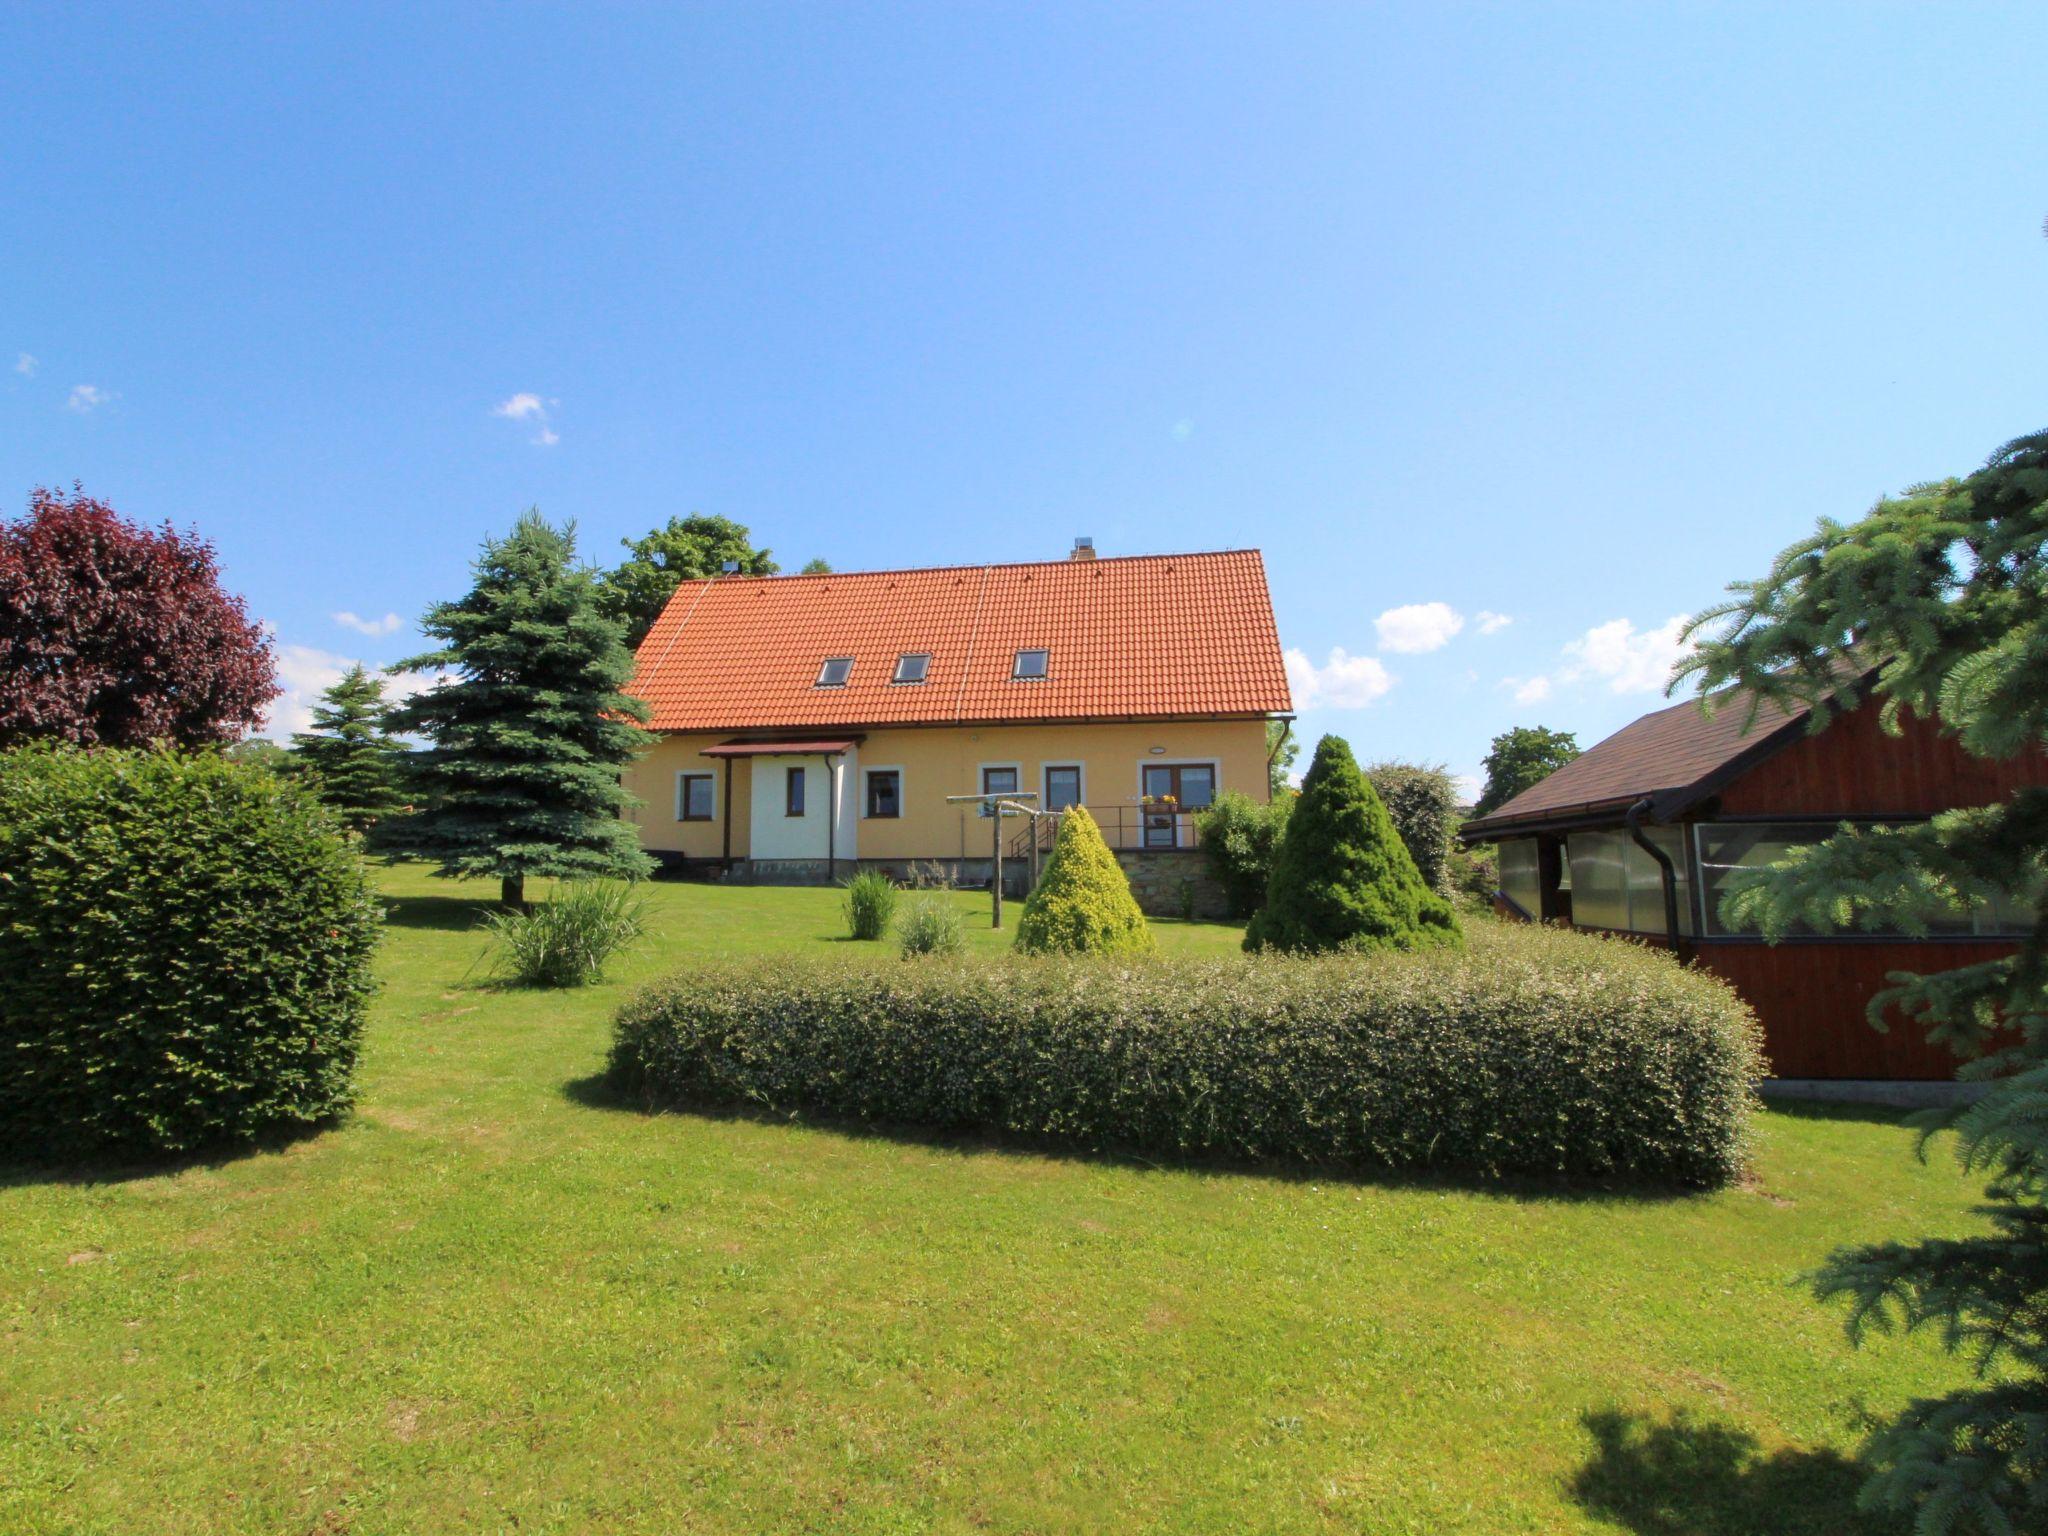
<point>1531,1052</point>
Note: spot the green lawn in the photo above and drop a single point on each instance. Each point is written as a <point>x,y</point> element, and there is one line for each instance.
<point>493,1302</point>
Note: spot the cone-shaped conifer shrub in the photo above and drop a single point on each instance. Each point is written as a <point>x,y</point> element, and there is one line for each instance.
<point>1083,904</point>
<point>1342,879</point>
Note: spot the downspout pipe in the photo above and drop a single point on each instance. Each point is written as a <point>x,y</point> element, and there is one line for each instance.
<point>1667,874</point>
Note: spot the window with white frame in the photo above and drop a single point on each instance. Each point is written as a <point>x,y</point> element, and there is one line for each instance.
<point>912,667</point>
<point>835,671</point>
<point>1030,666</point>
<point>696,795</point>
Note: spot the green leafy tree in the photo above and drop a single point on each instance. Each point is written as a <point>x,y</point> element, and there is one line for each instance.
<point>1282,748</point>
<point>1083,904</point>
<point>1943,591</point>
<point>1342,879</point>
<point>357,767</point>
<point>817,565</point>
<point>682,549</point>
<point>1422,801</point>
<point>261,752</point>
<point>1520,757</point>
<point>1239,837</point>
<point>521,774</point>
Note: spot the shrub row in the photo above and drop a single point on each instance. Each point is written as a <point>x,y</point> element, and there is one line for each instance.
<point>185,948</point>
<point>1533,1052</point>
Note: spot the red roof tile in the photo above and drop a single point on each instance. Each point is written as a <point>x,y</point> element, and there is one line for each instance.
<point>1137,637</point>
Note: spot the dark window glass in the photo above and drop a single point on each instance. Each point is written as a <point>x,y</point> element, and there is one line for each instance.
<point>1030,664</point>
<point>835,672</point>
<point>912,667</point>
<point>695,800</point>
<point>1062,787</point>
<point>885,794</point>
<point>793,793</point>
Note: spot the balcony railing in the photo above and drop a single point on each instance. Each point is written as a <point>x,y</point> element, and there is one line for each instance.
<point>1136,828</point>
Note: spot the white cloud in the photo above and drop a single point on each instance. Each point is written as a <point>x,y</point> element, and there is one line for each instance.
<point>1470,787</point>
<point>390,624</point>
<point>1418,627</point>
<point>89,397</point>
<point>529,407</point>
<point>1627,659</point>
<point>1527,690</point>
<point>305,672</point>
<point>1343,682</point>
<point>26,366</point>
<point>1491,623</point>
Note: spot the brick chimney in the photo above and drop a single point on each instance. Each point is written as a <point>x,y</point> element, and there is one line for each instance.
<point>1084,549</point>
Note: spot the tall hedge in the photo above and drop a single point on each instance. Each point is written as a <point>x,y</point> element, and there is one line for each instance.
<point>1534,1051</point>
<point>1083,904</point>
<point>1422,801</point>
<point>185,946</point>
<point>1342,878</point>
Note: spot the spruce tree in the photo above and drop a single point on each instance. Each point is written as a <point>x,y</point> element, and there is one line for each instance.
<point>1343,879</point>
<point>1083,904</point>
<point>356,766</point>
<point>1944,592</point>
<point>527,741</point>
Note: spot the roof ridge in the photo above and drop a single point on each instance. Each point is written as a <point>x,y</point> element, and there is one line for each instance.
<point>987,565</point>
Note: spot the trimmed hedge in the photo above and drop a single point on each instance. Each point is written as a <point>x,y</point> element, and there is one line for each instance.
<point>1532,1052</point>
<point>185,947</point>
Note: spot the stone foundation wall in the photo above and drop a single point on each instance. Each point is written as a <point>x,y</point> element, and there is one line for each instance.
<point>1165,879</point>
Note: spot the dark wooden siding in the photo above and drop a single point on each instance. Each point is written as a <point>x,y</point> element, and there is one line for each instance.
<point>1811,999</point>
<point>1854,769</point>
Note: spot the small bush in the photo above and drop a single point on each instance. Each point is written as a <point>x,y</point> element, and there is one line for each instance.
<point>1534,1052</point>
<point>1238,838</point>
<point>1083,904</point>
<point>1343,879</point>
<point>1422,802</point>
<point>931,925</point>
<point>568,939</point>
<point>869,903</point>
<point>185,947</point>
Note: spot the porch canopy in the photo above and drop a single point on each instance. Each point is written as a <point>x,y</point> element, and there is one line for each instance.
<point>745,748</point>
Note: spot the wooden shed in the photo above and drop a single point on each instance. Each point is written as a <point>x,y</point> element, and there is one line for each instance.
<point>1646,827</point>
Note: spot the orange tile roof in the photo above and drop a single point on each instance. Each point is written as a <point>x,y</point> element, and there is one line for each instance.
<point>1136,637</point>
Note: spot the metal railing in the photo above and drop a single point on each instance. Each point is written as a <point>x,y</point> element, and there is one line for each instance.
<point>1125,827</point>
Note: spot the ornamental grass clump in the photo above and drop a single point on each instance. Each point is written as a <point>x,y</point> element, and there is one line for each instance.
<point>568,939</point>
<point>869,903</point>
<point>1083,904</point>
<point>1342,878</point>
<point>930,925</point>
<point>185,948</point>
<point>1534,1052</point>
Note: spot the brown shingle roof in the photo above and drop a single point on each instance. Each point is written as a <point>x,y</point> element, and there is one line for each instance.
<point>1670,753</point>
<point>1137,637</point>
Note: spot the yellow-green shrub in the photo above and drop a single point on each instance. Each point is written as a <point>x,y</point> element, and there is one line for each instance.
<point>1083,904</point>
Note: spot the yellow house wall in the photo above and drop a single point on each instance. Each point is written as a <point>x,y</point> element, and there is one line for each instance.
<point>937,761</point>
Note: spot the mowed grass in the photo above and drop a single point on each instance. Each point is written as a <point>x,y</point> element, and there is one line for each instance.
<point>495,1302</point>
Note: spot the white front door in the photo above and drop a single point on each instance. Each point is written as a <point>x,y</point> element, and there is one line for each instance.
<point>795,800</point>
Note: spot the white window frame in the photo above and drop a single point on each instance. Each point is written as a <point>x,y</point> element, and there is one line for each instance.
<point>902,797</point>
<point>1030,650</point>
<point>981,783</point>
<point>1045,780</point>
<point>696,773</point>
<point>1181,829</point>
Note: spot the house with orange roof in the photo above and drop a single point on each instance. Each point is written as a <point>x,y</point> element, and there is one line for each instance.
<point>811,725</point>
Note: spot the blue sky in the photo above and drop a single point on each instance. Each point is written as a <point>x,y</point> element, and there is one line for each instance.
<point>1563,316</point>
